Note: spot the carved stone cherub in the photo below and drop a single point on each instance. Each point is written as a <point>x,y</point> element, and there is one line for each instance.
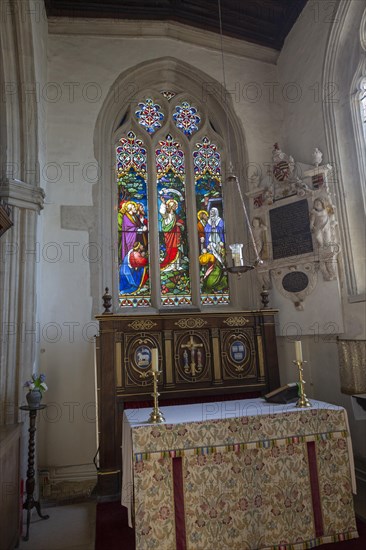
<point>259,236</point>
<point>320,223</point>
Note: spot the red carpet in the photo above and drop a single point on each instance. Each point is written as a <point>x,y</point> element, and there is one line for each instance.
<point>113,533</point>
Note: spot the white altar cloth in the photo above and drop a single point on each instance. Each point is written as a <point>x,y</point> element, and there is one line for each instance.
<point>202,412</point>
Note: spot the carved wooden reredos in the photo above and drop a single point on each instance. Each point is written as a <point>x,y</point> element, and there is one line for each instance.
<point>200,355</point>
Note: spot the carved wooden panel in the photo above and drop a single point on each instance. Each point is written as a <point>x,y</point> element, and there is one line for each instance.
<point>137,358</point>
<point>192,356</point>
<point>238,354</point>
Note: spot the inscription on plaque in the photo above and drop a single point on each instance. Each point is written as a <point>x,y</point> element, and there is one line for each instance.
<point>290,229</point>
<point>295,281</point>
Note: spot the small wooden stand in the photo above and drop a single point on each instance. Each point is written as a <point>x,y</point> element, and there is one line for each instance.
<point>30,483</point>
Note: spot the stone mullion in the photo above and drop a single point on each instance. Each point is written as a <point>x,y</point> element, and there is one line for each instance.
<point>193,252</point>
<point>153,224</point>
<point>10,259</point>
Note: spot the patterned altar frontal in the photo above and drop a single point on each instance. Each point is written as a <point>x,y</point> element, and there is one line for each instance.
<point>244,475</point>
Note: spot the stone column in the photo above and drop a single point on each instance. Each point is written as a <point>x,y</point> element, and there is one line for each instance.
<point>19,254</point>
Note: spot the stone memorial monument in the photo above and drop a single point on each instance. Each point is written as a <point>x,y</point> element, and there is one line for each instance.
<point>294,226</point>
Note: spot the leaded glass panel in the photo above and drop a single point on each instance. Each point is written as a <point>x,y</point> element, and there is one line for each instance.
<point>133,239</point>
<point>186,118</point>
<point>214,285</point>
<point>173,242</point>
<point>149,115</point>
<point>168,94</point>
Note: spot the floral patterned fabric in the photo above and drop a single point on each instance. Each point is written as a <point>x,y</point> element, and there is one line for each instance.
<point>264,481</point>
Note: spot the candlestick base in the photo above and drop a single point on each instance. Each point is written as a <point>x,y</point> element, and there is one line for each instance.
<point>303,402</point>
<point>156,417</point>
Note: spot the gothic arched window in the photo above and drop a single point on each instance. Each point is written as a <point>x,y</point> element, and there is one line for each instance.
<point>170,208</point>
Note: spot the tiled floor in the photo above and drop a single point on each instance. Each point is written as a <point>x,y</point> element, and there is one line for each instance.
<point>69,527</point>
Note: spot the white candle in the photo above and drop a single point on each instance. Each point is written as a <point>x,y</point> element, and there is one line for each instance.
<point>154,360</point>
<point>237,254</point>
<point>236,259</point>
<point>298,350</point>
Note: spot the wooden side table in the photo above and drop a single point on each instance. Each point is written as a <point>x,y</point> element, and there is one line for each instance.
<point>30,483</point>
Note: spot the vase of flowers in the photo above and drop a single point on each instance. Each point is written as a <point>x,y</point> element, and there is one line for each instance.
<point>36,386</point>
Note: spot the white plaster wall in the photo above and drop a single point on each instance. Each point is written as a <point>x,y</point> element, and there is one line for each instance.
<point>302,61</point>
<point>81,70</point>
<point>300,66</point>
<point>304,120</point>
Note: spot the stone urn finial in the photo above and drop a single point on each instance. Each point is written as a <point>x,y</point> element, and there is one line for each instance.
<point>317,157</point>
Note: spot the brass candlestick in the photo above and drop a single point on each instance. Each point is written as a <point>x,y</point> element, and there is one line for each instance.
<point>303,401</point>
<point>156,416</point>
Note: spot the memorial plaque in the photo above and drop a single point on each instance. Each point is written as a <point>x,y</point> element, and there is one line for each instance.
<point>290,229</point>
<point>295,281</point>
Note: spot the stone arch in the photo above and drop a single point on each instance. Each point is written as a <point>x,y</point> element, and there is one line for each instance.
<point>162,73</point>
<point>343,62</point>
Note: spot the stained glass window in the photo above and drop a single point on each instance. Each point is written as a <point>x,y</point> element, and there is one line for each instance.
<point>214,285</point>
<point>170,206</point>
<point>133,233</point>
<point>169,94</point>
<point>173,242</point>
<point>150,116</point>
<point>186,118</point>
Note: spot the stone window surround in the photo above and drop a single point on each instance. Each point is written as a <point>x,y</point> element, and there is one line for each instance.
<point>164,73</point>
<point>345,65</point>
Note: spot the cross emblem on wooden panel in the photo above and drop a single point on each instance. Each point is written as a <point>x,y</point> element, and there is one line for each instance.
<point>193,347</point>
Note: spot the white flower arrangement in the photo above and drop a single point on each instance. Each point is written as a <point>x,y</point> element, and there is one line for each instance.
<point>36,383</point>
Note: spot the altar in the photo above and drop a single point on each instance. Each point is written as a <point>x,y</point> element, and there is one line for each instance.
<point>203,356</point>
<point>238,474</point>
